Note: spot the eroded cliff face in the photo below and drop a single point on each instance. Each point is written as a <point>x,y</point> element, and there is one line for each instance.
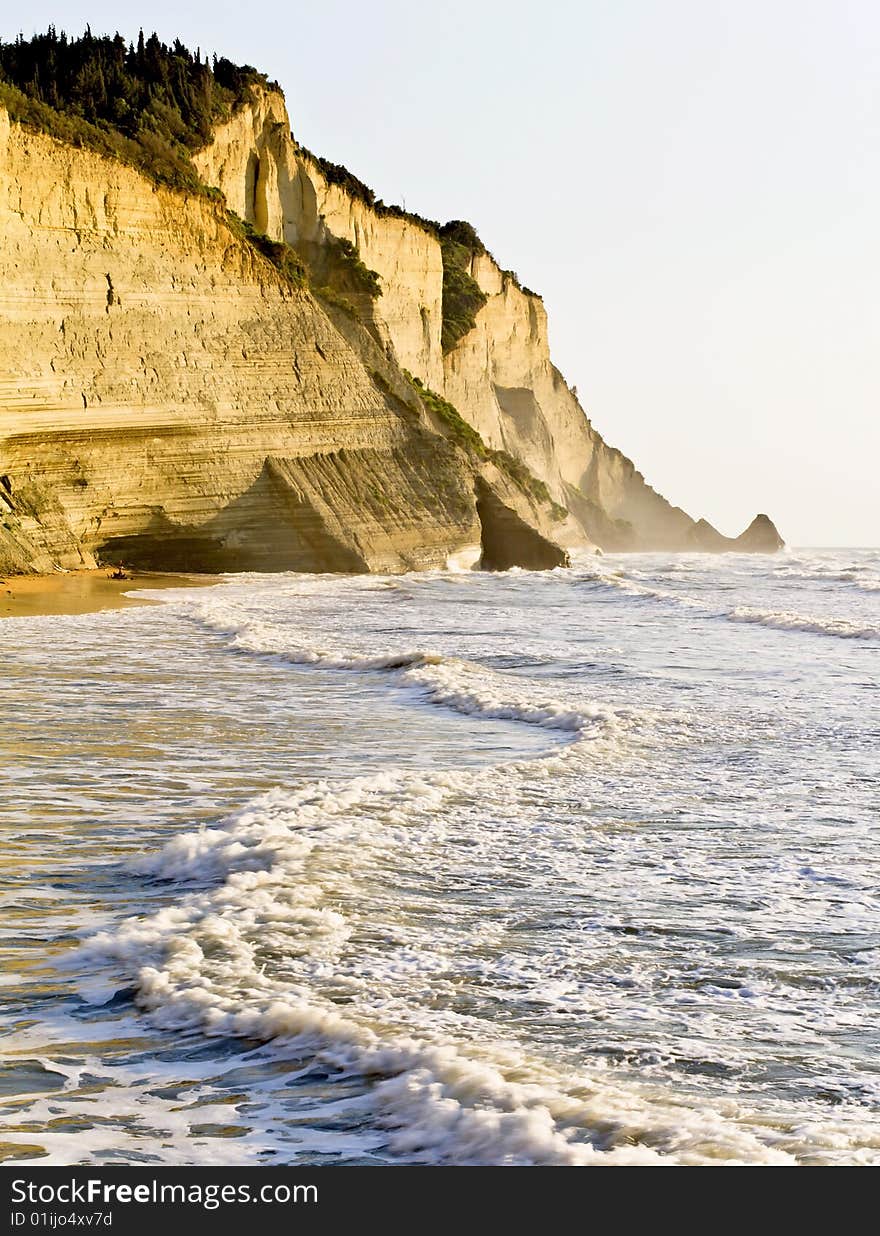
<point>168,400</point>
<point>499,376</point>
<point>269,181</point>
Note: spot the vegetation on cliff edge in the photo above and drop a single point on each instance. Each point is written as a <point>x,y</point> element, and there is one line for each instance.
<point>459,242</point>
<point>460,432</point>
<point>148,104</point>
<point>463,298</point>
<point>285,258</point>
<point>465,436</point>
<point>152,104</point>
<point>348,271</point>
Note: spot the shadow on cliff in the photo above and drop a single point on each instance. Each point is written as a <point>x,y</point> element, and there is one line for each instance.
<point>272,526</point>
<point>347,511</point>
<point>506,540</point>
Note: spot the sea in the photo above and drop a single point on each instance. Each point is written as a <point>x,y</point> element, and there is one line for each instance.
<point>576,867</point>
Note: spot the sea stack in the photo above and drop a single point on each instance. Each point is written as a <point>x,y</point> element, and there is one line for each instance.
<point>761,537</point>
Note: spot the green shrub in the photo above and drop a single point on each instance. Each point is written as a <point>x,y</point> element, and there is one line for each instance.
<point>281,255</point>
<point>336,174</point>
<point>460,232</point>
<point>526,479</point>
<point>459,242</point>
<point>331,297</point>
<point>467,437</point>
<point>350,270</point>
<point>459,430</point>
<point>151,104</point>
<point>463,298</point>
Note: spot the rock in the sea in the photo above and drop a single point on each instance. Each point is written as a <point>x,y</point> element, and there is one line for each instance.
<point>761,537</point>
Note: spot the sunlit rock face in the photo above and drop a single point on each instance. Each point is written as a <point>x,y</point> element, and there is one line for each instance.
<point>499,375</point>
<point>168,399</point>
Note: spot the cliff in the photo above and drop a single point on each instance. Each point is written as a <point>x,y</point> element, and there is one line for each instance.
<point>499,375</point>
<point>168,399</point>
<point>171,398</point>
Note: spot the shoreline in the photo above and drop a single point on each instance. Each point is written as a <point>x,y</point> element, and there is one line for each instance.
<point>67,593</point>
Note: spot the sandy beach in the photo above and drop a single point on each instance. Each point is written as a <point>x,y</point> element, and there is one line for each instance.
<point>84,592</point>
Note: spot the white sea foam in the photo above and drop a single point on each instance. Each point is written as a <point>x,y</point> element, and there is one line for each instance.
<point>625,581</point>
<point>789,621</point>
<point>475,691</point>
<point>638,584</point>
<point>197,967</point>
<point>860,571</point>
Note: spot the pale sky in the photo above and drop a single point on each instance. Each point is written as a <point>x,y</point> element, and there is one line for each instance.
<point>693,186</point>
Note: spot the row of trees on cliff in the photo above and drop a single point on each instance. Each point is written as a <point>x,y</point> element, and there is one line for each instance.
<point>160,99</point>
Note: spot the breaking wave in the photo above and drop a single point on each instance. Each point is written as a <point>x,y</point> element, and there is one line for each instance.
<point>450,682</point>
<point>200,966</point>
<point>626,583</point>
<point>863,576</point>
<point>788,621</point>
<point>782,620</point>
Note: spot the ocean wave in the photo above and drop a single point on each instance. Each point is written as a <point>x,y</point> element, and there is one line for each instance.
<point>195,969</point>
<point>785,620</point>
<point>862,576</point>
<point>476,691</point>
<point>199,966</point>
<point>782,620</point>
<point>479,965</point>
<point>627,583</point>
<point>450,682</point>
<point>286,824</point>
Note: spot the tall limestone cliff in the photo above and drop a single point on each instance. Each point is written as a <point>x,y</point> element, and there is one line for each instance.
<point>499,375</point>
<point>169,398</point>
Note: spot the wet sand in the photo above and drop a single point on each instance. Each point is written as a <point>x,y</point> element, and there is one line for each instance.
<point>84,592</point>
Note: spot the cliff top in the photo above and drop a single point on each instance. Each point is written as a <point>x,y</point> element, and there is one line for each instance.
<point>149,104</point>
<point>153,104</point>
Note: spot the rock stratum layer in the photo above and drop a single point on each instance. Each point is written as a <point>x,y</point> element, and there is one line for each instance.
<point>169,400</point>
